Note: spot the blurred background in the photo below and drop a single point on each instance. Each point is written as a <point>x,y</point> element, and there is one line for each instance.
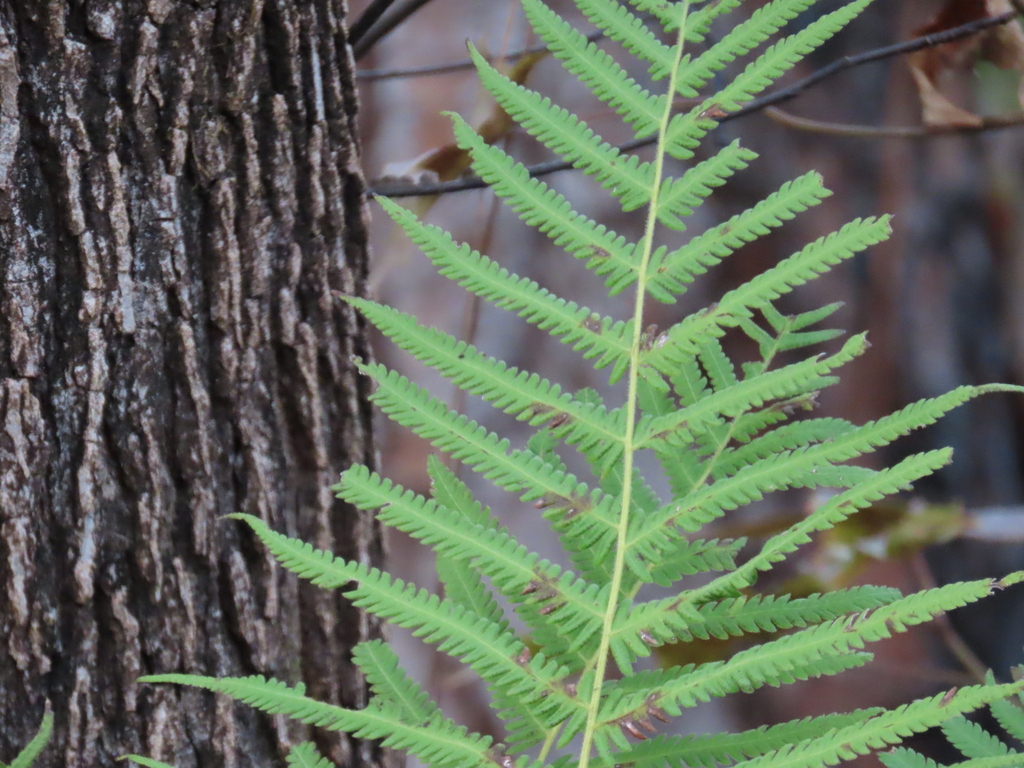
<point>943,301</point>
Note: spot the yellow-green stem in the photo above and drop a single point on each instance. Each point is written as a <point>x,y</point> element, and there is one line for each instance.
<point>618,569</point>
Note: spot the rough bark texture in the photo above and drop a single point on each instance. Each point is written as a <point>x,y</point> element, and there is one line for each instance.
<point>180,196</point>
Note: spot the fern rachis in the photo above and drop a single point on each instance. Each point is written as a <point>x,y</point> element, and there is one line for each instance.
<point>724,434</point>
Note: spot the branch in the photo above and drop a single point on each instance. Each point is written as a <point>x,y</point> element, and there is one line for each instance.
<point>456,66</point>
<point>369,17</point>
<point>385,26</point>
<point>995,123</point>
<point>399,189</point>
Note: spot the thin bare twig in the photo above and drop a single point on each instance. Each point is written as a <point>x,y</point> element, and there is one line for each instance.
<point>463,64</point>
<point>455,66</point>
<point>440,69</point>
<point>994,123</point>
<point>385,25</point>
<point>367,19</point>
<point>392,189</point>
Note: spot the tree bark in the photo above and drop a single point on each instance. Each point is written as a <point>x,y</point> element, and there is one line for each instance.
<point>180,197</point>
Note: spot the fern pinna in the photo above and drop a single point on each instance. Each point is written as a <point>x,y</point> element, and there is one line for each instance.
<point>725,436</point>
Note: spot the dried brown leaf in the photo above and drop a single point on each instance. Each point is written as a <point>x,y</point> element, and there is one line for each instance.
<point>448,162</point>
<point>1003,46</point>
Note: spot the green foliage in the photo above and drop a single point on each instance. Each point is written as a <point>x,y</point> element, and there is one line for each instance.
<point>28,755</point>
<point>982,748</point>
<point>724,434</point>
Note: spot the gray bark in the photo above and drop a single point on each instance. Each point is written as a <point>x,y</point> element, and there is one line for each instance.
<point>180,197</point>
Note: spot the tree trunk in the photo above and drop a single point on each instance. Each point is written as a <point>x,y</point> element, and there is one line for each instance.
<point>180,197</point>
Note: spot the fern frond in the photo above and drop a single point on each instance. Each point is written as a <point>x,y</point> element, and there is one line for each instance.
<point>596,69</point>
<point>687,129</point>
<point>836,509</point>
<point>679,429</point>
<point>533,584</point>
<point>567,135</point>
<point>630,31</point>
<point>819,650</point>
<point>305,755</point>
<point>462,581</point>
<point>788,437</point>
<point>28,754</point>
<point>388,681</point>
<point>973,740</point>
<point>685,337</point>
<point>449,491</point>
<point>882,730</point>
<point>608,254</point>
<point>981,748</point>
<point>1009,715</point>
<point>699,20</point>
<point>679,197</point>
<point>516,471</point>
<point>686,558</point>
<point>662,621</point>
<point>489,649</point>
<point>520,393</point>
<point>811,464</point>
<point>743,38</point>
<point>790,329</point>
<point>711,750</point>
<point>438,742</point>
<point>680,267</point>
<point>583,329</point>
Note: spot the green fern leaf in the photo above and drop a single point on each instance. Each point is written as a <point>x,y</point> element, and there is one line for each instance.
<point>516,471</point>
<point>745,36</point>
<point>906,758</point>
<point>439,742</point>
<point>823,649</point>
<point>679,197</point>
<point>661,621</point>
<point>525,395</point>
<point>596,69</point>
<point>1009,715</point>
<point>710,750</point>
<point>607,254</point>
<point>686,337</point>
<point>305,755</point>
<point>146,762</point>
<point>981,748</point>
<point>461,580</point>
<point>679,429</point>
<point>686,558</point>
<point>27,757</point>
<point>680,267</point>
<point>622,26</point>
<point>699,20</point>
<point>388,681</point>
<point>973,740</point>
<point>533,584</point>
<point>881,730</point>
<point>835,510</point>
<point>687,129</point>
<point>489,649</point>
<point>567,135</point>
<point>574,325</point>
